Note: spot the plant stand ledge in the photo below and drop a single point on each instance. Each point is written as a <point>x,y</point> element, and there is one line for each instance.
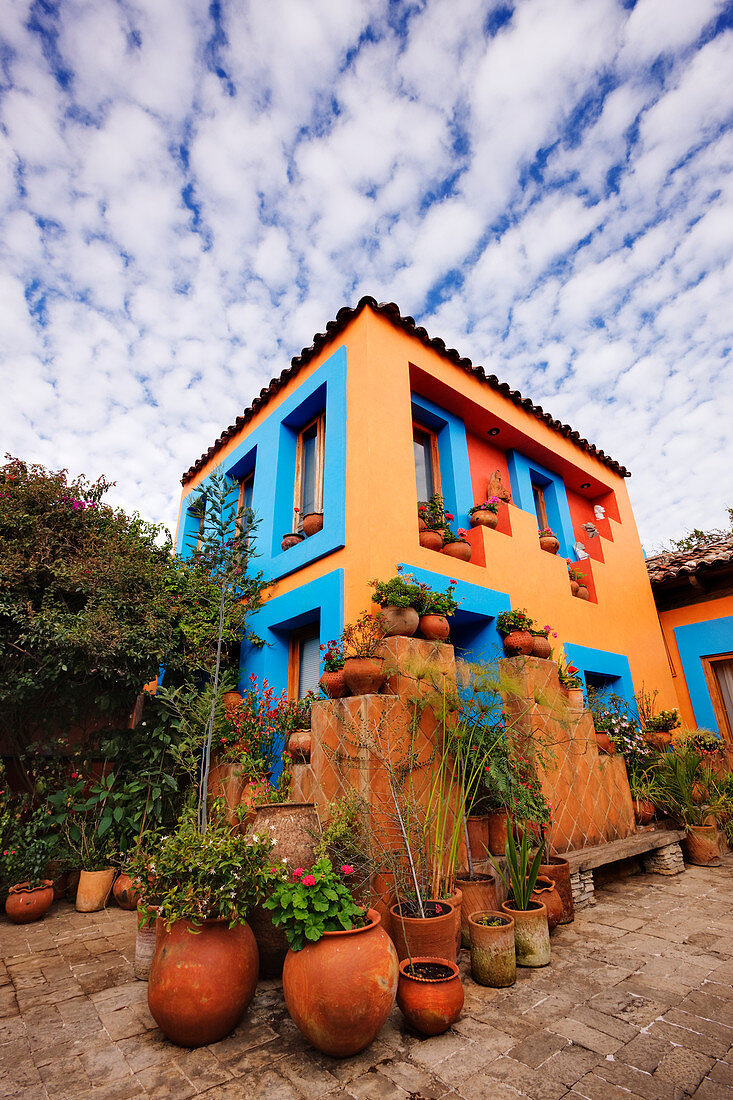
<point>661,842</point>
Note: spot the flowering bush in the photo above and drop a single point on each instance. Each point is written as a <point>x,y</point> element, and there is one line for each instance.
<point>547,533</point>
<point>333,656</point>
<point>255,734</point>
<point>508,621</point>
<point>491,504</point>
<point>449,536</point>
<point>307,904</point>
<point>399,591</point>
<point>664,722</point>
<point>542,631</point>
<point>433,513</point>
<point>365,637</point>
<point>438,603</point>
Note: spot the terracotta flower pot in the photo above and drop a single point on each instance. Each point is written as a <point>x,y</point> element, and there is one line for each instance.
<point>558,869</point>
<point>479,893</point>
<point>456,900</point>
<point>518,642</point>
<point>421,524</point>
<point>293,538</point>
<point>25,904</point>
<point>435,628</point>
<point>700,846</point>
<point>430,1004</point>
<point>498,823</point>
<point>228,781</point>
<point>546,893</point>
<point>126,893</point>
<point>549,543</point>
<point>430,935</point>
<point>582,593</point>
<point>531,933</point>
<point>459,549</point>
<point>144,945</point>
<point>605,744</point>
<point>575,698</point>
<point>201,980</point>
<point>478,836</point>
<point>574,586</point>
<point>340,990</point>
<point>493,955</point>
<point>541,646</point>
<point>401,622</point>
<point>364,675</point>
<point>232,702</point>
<point>299,745</point>
<point>431,540</point>
<point>333,685</point>
<point>483,518</point>
<point>93,890</point>
<point>643,811</point>
<point>312,523</point>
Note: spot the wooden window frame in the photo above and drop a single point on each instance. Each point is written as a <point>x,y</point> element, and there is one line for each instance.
<point>248,479</point>
<point>538,496</point>
<point>320,422</point>
<point>716,697</point>
<point>420,429</point>
<point>295,640</point>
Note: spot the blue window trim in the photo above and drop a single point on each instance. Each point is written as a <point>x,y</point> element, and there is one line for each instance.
<point>523,472</point>
<point>455,469</point>
<point>602,663</point>
<point>695,641</point>
<point>275,442</point>
<point>477,610</point>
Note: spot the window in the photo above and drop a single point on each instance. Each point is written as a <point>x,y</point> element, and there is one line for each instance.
<point>427,463</point>
<point>244,500</point>
<point>540,506</point>
<point>309,470</point>
<point>305,661</point>
<point>719,675</point>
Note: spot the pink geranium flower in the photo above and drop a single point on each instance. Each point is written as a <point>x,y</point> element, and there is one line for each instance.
<point>309,880</point>
<point>347,869</point>
<point>298,872</point>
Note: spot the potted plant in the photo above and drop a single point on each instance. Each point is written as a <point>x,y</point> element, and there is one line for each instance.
<point>515,626</point>
<point>434,609</point>
<point>531,931</point>
<point>644,795</point>
<point>311,522</point>
<point>340,974</point>
<point>541,646</point>
<point>456,545</point>
<point>658,727</point>
<point>493,954</point>
<point>485,514</point>
<point>25,865</point>
<point>332,681</point>
<point>432,518</point>
<point>548,541</point>
<point>292,538</point>
<point>570,680</point>
<point>575,577</point>
<point>397,598</point>
<point>364,671</point>
<point>689,792</point>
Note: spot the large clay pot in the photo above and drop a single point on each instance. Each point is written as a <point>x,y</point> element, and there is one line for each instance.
<point>431,540</point>
<point>144,945</point>
<point>435,628</point>
<point>340,990</point>
<point>541,646</point>
<point>518,642</point>
<point>430,935</point>
<point>421,524</point>
<point>478,836</point>
<point>333,685</point>
<point>531,933</point>
<point>582,593</point>
<point>201,980</point>
<point>299,746</point>
<point>558,869</point>
<point>312,523</point>
<point>479,893</point>
<point>456,900</point>
<point>25,904</point>
<point>700,846</point>
<point>498,823</point>
<point>93,890</point>
<point>493,955</point>
<point>549,543</point>
<point>574,586</point>
<point>643,811</point>
<point>484,518</point>
<point>430,1004</point>
<point>401,622</point>
<point>293,538</point>
<point>227,781</point>
<point>294,830</point>
<point>459,549</point>
<point>364,675</point>
<point>546,893</point>
<point>126,893</point>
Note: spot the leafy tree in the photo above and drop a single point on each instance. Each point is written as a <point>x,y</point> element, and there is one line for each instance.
<point>698,540</point>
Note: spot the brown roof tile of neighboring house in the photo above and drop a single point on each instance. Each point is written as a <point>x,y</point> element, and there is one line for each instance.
<point>666,567</point>
<point>392,313</point>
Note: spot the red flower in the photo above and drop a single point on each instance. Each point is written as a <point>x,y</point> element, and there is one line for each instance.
<point>298,872</point>
<point>449,515</point>
<point>308,880</point>
<point>347,869</point>
<point>572,669</point>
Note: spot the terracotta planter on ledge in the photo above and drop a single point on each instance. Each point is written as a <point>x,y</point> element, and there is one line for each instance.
<point>541,646</point>
<point>582,593</point>
<point>25,904</point>
<point>293,538</point>
<point>333,685</point>
<point>364,675</point>
<point>458,549</point>
<point>312,523</point>
<point>518,642</point>
<point>482,518</point>
<point>574,586</point>
<point>430,994</point>
<point>435,628</point>
<point>431,540</point>
<point>299,745</point>
<point>401,622</point>
<point>549,543</point>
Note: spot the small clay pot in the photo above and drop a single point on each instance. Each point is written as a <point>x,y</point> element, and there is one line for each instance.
<point>299,746</point>
<point>431,540</point>
<point>643,811</point>
<point>293,538</point>
<point>430,1004</point>
<point>126,892</point>
<point>605,744</point>
<point>333,685</point>
<point>493,955</point>
<point>435,628</point>
<point>312,523</point>
<point>478,836</point>
<point>531,933</point>
<point>93,890</point>
<point>498,824</point>
<point>479,893</point>
<point>546,893</point>
<point>575,698</point>
<point>25,904</point>
<point>558,869</point>
<point>484,518</point>
<point>364,675</point>
<point>574,586</point>
<point>541,646</point>
<point>432,935</point>
<point>459,549</point>
<point>401,622</point>
<point>701,847</point>
<point>582,593</point>
<point>549,543</point>
<point>518,642</point>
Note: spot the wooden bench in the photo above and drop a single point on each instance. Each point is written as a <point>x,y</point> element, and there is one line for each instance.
<point>660,845</point>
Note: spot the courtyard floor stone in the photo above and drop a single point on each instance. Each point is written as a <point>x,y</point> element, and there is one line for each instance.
<point>637,1003</point>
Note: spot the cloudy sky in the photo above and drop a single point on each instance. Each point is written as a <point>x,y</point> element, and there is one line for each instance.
<point>189,191</point>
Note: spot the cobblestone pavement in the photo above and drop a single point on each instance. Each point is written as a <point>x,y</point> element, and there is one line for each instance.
<point>636,1003</point>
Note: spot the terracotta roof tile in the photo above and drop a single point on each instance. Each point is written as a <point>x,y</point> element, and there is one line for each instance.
<point>668,566</point>
<point>392,313</point>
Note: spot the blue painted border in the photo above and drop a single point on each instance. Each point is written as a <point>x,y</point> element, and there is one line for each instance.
<point>522,471</point>
<point>697,640</point>
<point>602,663</point>
<point>274,476</point>
<point>455,469</point>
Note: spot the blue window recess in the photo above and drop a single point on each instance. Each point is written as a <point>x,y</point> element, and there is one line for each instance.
<point>269,452</point>
<point>455,471</point>
<point>524,474</point>
<point>608,672</point>
<point>697,640</point>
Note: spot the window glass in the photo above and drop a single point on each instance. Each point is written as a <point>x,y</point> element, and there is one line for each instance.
<point>724,675</point>
<point>309,479</point>
<point>309,662</point>
<point>539,506</point>
<point>423,465</point>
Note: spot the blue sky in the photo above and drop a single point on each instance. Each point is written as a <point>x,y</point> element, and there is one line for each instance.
<point>188,192</point>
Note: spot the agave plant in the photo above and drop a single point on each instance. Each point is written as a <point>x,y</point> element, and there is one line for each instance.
<point>522,874</point>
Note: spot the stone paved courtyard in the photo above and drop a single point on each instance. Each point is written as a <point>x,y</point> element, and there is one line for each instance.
<point>638,1002</point>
